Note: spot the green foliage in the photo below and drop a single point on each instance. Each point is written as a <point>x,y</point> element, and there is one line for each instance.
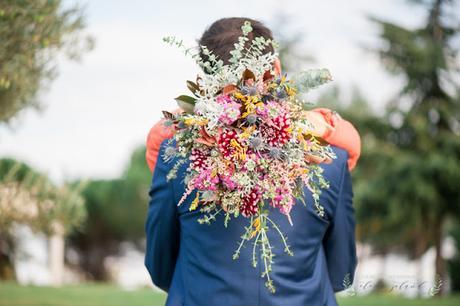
<point>29,197</point>
<point>32,34</point>
<point>421,55</point>
<point>406,182</point>
<point>428,137</point>
<point>310,79</point>
<point>454,263</point>
<point>78,295</point>
<point>415,187</point>
<point>116,213</point>
<point>107,295</point>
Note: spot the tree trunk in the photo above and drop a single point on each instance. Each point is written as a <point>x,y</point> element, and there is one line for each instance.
<point>440,265</point>
<point>419,249</point>
<point>56,255</point>
<point>7,271</point>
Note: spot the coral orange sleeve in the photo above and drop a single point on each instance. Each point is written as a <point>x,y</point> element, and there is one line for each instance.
<point>338,132</point>
<point>342,134</point>
<point>158,133</point>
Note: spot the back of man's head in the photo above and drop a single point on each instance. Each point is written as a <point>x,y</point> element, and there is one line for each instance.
<point>221,36</point>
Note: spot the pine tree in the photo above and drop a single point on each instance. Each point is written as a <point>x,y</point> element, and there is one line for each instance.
<point>421,185</point>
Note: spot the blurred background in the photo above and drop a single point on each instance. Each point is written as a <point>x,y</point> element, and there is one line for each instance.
<point>82,82</point>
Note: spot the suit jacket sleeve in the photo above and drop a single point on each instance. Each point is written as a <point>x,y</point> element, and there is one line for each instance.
<point>162,229</point>
<point>339,241</point>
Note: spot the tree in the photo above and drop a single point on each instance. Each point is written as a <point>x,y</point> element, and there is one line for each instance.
<point>32,34</point>
<point>454,263</point>
<point>425,129</point>
<point>405,184</point>
<point>116,214</point>
<point>28,197</point>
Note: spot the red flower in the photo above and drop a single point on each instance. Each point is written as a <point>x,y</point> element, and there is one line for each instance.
<point>278,132</point>
<point>198,158</point>
<point>249,206</point>
<point>224,142</point>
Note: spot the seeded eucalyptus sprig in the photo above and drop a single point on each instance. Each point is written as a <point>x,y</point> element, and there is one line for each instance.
<point>257,230</point>
<point>311,79</point>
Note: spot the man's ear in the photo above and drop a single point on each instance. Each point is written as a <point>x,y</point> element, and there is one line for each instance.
<point>277,66</point>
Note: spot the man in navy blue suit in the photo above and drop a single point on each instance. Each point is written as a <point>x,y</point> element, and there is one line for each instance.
<point>193,262</point>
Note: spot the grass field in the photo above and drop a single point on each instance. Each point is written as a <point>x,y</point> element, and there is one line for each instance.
<point>106,295</point>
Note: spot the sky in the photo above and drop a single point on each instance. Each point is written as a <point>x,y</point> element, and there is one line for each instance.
<point>100,109</point>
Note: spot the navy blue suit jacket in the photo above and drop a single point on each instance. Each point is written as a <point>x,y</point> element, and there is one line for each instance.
<point>193,262</point>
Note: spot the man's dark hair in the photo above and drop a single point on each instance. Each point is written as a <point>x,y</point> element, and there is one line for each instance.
<point>221,36</point>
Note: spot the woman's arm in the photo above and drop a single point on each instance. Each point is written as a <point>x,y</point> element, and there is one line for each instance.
<point>328,125</point>
<point>338,132</point>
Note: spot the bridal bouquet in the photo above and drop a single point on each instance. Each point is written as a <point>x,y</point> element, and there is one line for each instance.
<point>248,143</point>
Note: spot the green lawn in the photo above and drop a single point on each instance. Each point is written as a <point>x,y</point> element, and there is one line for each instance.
<point>83,295</point>
<point>106,295</point>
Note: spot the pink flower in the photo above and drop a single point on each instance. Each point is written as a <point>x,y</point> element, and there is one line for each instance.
<point>277,128</point>
<point>223,99</point>
<point>205,181</point>
<point>262,112</point>
<point>283,200</point>
<point>231,109</point>
<point>228,182</point>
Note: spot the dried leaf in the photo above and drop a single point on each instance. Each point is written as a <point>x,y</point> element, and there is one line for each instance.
<point>205,138</point>
<point>193,87</point>
<point>248,74</point>
<point>168,115</point>
<point>229,89</point>
<point>268,76</point>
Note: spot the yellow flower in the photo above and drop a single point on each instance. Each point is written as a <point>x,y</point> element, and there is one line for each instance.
<point>256,225</point>
<point>251,103</point>
<point>291,91</point>
<point>240,152</point>
<point>239,95</point>
<point>195,202</point>
<point>247,132</point>
<point>297,172</point>
<point>195,121</point>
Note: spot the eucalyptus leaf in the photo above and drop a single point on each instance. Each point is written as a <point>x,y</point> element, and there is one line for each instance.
<point>186,103</point>
<point>311,79</point>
